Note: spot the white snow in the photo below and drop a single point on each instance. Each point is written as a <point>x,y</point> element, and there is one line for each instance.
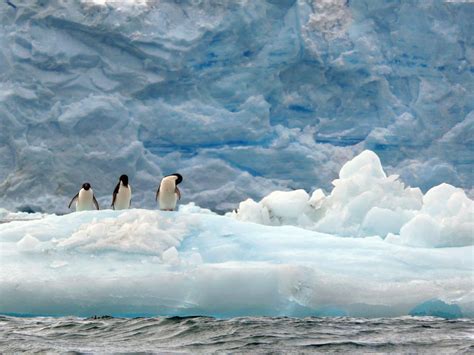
<point>129,233</point>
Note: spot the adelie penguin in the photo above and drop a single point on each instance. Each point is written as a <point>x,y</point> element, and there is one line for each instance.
<point>122,196</point>
<point>85,199</point>
<point>168,193</point>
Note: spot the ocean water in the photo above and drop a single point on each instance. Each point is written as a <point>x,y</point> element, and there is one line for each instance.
<point>236,335</point>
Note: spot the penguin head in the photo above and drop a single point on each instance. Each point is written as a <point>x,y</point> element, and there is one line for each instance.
<point>179,178</point>
<point>86,186</point>
<point>124,180</point>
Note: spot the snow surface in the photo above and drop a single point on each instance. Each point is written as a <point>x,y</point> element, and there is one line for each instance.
<point>388,250</point>
<point>242,97</point>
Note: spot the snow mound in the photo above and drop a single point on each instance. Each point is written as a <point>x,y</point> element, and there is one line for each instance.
<point>366,202</point>
<point>130,232</point>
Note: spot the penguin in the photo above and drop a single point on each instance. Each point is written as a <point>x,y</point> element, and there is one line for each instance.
<point>168,193</point>
<point>122,196</point>
<point>85,199</point>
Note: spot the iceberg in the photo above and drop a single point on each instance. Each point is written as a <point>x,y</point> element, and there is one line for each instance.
<point>260,105</point>
<point>437,308</point>
<point>371,247</point>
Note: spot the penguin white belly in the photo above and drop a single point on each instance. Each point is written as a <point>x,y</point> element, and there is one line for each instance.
<point>122,201</point>
<point>167,197</point>
<point>85,200</point>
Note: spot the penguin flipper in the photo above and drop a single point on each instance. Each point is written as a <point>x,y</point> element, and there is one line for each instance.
<point>157,193</point>
<point>176,190</point>
<point>11,4</point>
<point>75,197</point>
<point>95,202</point>
<point>114,195</point>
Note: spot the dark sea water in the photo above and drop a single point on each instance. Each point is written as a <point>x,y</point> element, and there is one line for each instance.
<point>237,335</point>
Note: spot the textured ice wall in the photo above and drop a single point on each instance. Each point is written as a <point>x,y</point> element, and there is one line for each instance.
<point>241,97</point>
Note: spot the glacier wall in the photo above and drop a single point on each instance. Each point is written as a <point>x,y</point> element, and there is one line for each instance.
<point>241,97</point>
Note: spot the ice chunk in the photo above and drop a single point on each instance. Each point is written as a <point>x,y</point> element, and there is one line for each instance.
<point>382,221</point>
<point>422,231</point>
<point>454,211</point>
<point>286,205</point>
<point>251,211</point>
<point>366,163</point>
<point>279,207</point>
<point>445,200</point>
<point>317,199</point>
<point>365,202</point>
<point>28,243</point>
<point>437,308</point>
<point>171,256</point>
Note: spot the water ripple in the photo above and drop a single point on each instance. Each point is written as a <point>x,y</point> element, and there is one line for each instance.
<point>205,335</point>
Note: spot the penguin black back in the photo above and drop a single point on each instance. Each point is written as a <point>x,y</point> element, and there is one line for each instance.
<point>168,192</point>
<point>124,179</point>
<point>179,177</point>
